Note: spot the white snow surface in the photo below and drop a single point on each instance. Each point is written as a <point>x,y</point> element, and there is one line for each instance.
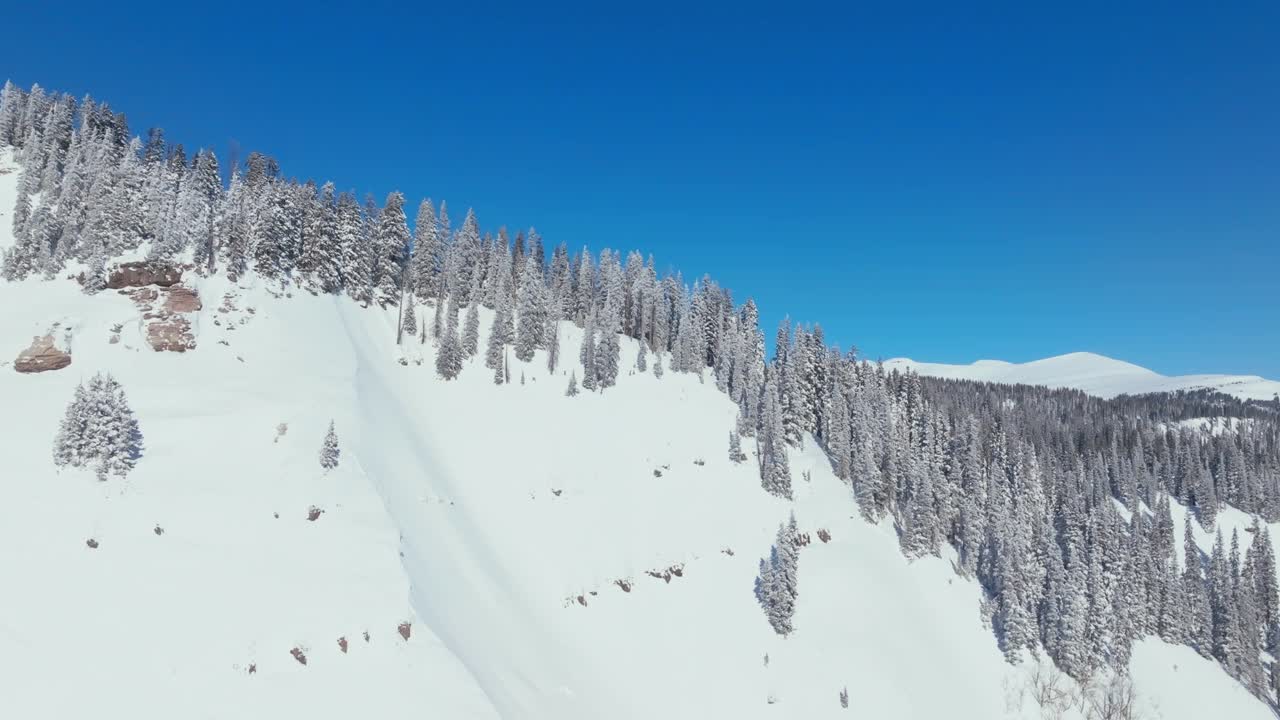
<point>1092,374</point>
<point>477,513</point>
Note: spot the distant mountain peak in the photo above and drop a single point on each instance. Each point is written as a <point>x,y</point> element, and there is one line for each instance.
<point>1094,374</point>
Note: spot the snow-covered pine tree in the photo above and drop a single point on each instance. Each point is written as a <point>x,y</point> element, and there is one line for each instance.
<point>198,215</point>
<point>552,334</point>
<point>573,384</point>
<point>449,350</point>
<point>587,353</point>
<point>501,329</point>
<point>471,330</point>
<point>1268,599</point>
<point>584,290</point>
<point>95,258</point>
<point>735,448</point>
<point>11,102</point>
<point>464,256</point>
<point>428,249</point>
<point>608,350</point>
<point>408,318</point>
<point>321,260</point>
<point>437,318</point>
<point>120,439</point>
<point>391,250</point>
<point>71,444</point>
<point>329,452</point>
<point>532,304</point>
<point>775,472</point>
<point>99,428</point>
<point>776,585</point>
<point>837,436</point>
<point>355,272</point>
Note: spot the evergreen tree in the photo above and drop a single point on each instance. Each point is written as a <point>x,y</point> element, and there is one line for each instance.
<point>409,320</point>
<point>735,448</point>
<point>329,452</point>
<point>449,353</point>
<point>532,310</point>
<point>608,350</point>
<point>355,272</point>
<point>776,585</point>
<point>552,334</point>
<point>464,257</point>
<point>99,428</point>
<point>775,471</point>
<point>471,330</point>
<point>322,254</point>
<point>500,332</point>
<point>588,353</point>
<point>428,251</point>
<point>1198,610</point>
<point>391,248</point>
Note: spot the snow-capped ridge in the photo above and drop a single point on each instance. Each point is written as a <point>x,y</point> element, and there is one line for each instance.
<point>1093,374</point>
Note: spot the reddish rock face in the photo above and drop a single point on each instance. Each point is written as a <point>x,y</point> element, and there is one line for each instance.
<point>138,274</point>
<point>163,310</point>
<point>172,333</point>
<point>181,299</point>
<point>42,355</point>
<point>404,629</point>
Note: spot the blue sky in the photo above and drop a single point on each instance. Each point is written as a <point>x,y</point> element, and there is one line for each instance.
<point>946,184</point>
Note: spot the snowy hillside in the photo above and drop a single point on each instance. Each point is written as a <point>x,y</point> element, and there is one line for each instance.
<point>1093,374</point>
<point>482,549</point>
<point>477,513</point>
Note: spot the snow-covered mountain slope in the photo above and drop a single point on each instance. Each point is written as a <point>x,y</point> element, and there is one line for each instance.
<point>1093,374</point>
<point>512,528</point>
<point>477,513</point>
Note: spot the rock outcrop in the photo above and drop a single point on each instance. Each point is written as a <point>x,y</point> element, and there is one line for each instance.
<point>164,311</point>
<point>181,299</point>
<point>42,355</point>
<point>141,274</point>
<point>170,333</point>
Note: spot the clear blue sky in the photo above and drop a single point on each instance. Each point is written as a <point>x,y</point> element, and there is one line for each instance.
<point>939,182</point>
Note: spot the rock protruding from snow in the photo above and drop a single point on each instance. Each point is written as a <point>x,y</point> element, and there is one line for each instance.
<point>170,334</point>
<point>141,274</point>
<point>165,310</point>
<point>42,355</point>
<point>181,299</point>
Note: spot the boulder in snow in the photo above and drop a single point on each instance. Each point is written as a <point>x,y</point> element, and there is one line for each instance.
<point>42,355</point>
